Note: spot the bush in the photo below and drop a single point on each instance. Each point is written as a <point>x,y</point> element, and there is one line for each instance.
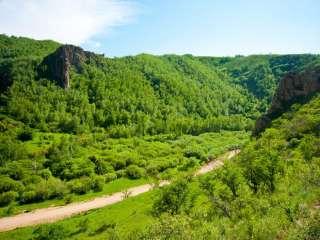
<point>33,179</point>
<point>121,173</point>
<point>45,174</point>
<point>152,170</point>
<point>15,171</point>
<point>171,198</point>
<point>97,183</point>
<point>50,232</point>
<point>28,197</point>
<point>8,197</point>
<point>57,188</point>
<point>101,167</point>
<point>7,184</point>
<point>109,177</point>
<point>25,135</point>
<point>134,172</point>
<point>10,150</point>
<point>80,186</point>
<point>119,164</point>
<point>190,163</point>
<point>196,153</point>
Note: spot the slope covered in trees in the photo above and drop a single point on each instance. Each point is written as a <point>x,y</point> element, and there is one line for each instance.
<point>139,95</point>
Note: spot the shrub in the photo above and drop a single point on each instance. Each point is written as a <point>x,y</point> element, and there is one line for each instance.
<point>121,173</point>
<point>15,171</point>
<point>10,150</point>
<point>33,179</point>
<point>101,167</point>
<point>28,197</point>
<point>134,172</point>
<point>68,199</point>
<point>109,177</point>
<point>195,152</point>
<point>45,174</point>
<point>119,164</point>
<point>50,232</point>
<point>80,186</point>
<point>57,188</point>
<point>7,184</point>
<point>190,163</point>
<point>36,193</point>
<point>152,170</point>
<point>97,183</point>
<point>171,198</point>
<point>7,197</point>
<point>42,191</point>
<point>25,135</point>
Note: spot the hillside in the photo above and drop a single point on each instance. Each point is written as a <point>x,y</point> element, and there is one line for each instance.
<point>134,96</point>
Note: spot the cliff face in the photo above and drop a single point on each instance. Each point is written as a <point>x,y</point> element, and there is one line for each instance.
<point>56,66</point>
<point>294,87</point>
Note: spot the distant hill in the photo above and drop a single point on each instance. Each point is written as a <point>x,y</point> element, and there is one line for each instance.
<point>56,87</point>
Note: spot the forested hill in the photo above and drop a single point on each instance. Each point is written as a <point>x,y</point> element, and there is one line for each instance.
<point>135,95</point>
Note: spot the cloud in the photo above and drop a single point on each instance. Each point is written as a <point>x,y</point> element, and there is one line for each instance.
<point>66,21</point>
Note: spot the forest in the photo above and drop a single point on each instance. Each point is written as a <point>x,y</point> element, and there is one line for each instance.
<point>137,119</point>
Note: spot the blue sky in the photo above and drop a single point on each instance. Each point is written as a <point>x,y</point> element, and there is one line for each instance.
<point>218,27</point>
<point>199,27</point>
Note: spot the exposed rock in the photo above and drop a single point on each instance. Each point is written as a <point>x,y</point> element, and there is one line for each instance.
<point>293,88</point>
<point>56,66</point>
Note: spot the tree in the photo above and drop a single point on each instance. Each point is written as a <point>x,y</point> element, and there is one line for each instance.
<point>171,198</point>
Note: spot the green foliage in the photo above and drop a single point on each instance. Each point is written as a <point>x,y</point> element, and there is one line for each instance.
<point>97,183</point>
<point>80,186</point>
<point>54,165</point>
<point>8,197</point>
<point>50,232</point>
<point>8,184</point>
<point>134,172</point>
<point>25,135</point>
<point>171,198</point>
<point>13,47</point>
<point>110,177</point>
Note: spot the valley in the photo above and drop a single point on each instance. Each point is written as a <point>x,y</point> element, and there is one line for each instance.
<point>80,131</point>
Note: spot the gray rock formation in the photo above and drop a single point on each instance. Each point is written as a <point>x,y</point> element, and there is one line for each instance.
<point>293,88</point>
<point>56,66</point>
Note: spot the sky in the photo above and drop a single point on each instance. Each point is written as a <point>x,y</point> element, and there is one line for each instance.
<point>198,27</point>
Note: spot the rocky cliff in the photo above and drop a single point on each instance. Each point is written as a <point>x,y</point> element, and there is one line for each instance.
<point>57,65</point>
<point>293,88</point>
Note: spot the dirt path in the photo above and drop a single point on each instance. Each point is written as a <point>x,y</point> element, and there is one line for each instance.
<point>52,214</point>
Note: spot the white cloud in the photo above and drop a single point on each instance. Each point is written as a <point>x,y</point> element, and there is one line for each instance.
<point>66,21</point>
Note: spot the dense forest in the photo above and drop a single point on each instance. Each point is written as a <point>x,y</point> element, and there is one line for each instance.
<point>159,117</point>
<point>139,95</point>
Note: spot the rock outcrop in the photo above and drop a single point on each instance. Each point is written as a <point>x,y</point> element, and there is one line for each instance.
<point>294,87</point>
<point>56,66</point>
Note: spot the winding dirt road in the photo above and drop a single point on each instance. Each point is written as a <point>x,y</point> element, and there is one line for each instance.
<point>52,214</point>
